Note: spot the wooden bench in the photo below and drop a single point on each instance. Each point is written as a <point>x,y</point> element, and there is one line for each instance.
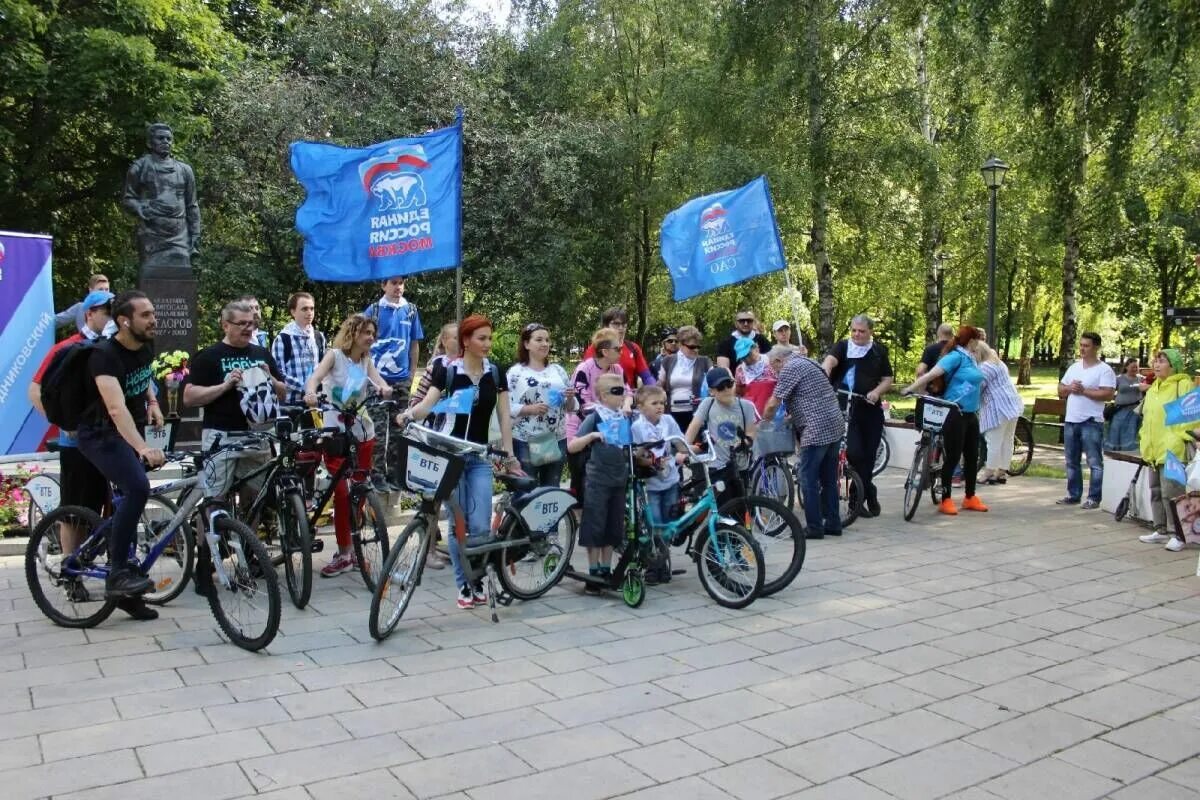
<point>1050,407</point>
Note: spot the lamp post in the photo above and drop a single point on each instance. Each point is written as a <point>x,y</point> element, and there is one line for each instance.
<point>993,176</point>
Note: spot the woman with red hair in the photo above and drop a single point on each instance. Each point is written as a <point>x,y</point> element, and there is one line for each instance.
<point>964,384</point>
<point>471,371</point>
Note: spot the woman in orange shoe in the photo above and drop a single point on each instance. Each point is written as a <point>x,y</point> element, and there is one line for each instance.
<point>964,383</point>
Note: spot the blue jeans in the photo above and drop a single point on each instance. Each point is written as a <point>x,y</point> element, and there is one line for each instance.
<point>474,496</point>
<point>1123,430</point>
<point>546,474</point>
<point>1081,438</point>
<point>115,459</point>
<point>818,472</point>
<point>663,504</point>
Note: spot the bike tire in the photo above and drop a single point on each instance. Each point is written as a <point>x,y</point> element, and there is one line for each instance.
<point>1022,447</point>
<point>730,543</point>
<point>883,454</point>
<point>779,534</point>
<point>401,572</point>
<point>368,531</point>
<point>251,579</point>
<point>850,496</point>
<point>43,557</point>
<point>772,478</point>
<point>914,484</point>
<point>172,570</point>
<point>546,559</point>
<point>295,544</point>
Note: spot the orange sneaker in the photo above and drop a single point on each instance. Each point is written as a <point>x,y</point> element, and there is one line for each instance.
<point>947,507</point>
<point>973,503</point>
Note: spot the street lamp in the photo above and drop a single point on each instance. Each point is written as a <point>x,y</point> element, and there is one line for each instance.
<point>993,176</point>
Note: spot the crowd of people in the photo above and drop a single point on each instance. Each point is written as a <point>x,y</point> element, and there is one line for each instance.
<point>548,418</point>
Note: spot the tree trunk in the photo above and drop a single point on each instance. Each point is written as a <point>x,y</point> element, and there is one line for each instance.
<point>1024,371</point>
<point>818,161</point>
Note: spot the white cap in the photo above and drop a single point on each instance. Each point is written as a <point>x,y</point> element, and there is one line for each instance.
<point>780,323</point>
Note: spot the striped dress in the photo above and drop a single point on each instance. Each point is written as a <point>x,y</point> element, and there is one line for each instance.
<point>1000,399</point>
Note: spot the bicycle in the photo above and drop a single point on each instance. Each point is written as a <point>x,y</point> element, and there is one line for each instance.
<point>725,556</point>
<point>926,469</point>
<point>240,564</point>
<point>851,492</point>
<point>534,530</point>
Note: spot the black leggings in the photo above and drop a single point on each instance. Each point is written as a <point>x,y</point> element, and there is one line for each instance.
<point>961,436</point>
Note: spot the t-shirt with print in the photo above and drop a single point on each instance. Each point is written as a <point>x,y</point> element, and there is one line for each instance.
<point>527,386</point>
<point>964,380</point>
<point>1097,376</point>
<point>253,402</point>
<point>473,426</point>
<point>131,368</point>
<point>726,424</point>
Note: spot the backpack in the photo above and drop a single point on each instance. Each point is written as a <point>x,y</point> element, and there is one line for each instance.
<point>65,392</point>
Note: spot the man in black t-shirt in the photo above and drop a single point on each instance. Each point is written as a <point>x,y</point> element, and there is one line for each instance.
<point>237,383</point>
<point>729,355</point>
<point>933,351</point>
<point>110,436</point>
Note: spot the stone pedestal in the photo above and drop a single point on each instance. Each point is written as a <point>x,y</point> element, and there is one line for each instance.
<point>173,293</point>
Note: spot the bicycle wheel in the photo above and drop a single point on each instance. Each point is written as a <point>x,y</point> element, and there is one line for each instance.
<point>172,570</point>
<point>883,454</point>
<point>850,496</point>
<point>772,478</point>
<point>529,572</point>
<point>368,530</point>
<point>730,566</point>
<point>248,610</point>
<point>914,484</point>
<point>295,543</point>
<point>401,573</point>
<point>1022,447</point>
<point>72,601</point>
<point>779,534</point>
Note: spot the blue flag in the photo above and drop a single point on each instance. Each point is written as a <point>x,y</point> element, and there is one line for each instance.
<point>1174,470</point>
<point>1185,409</point>
<point>372,213</point>
<point>721,239</point>
<point>616,432</point>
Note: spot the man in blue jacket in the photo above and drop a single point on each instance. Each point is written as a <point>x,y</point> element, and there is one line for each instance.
<point>395,352</point>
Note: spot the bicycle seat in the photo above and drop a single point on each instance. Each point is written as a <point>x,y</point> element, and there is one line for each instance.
<point>517,483</point>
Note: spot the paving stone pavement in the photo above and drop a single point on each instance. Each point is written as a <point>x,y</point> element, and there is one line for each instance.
<point>1030,652</point>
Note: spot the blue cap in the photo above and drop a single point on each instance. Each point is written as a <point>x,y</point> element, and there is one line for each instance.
<point>97,298</point>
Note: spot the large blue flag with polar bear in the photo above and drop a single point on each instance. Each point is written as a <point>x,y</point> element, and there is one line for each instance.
<point>721,239</point>
<point>371,213</point>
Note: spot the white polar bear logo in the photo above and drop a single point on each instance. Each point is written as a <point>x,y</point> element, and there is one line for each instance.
<point>398,191</point>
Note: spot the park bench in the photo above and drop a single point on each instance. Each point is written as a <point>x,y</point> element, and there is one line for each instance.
<point>1050,407</point>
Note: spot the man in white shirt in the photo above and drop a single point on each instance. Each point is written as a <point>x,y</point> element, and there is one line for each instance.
<point>1087,385</point>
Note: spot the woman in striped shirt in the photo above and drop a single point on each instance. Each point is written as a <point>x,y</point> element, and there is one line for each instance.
<point>998,414</point>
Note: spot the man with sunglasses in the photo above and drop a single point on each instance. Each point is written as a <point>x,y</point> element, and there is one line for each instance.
<point>729,355</point>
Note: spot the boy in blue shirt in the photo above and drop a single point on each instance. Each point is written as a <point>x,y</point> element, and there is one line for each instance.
<point>395,353</point>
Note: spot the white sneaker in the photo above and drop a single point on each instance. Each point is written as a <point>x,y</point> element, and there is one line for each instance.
<point>1175,545</point>
<point>1158,537</point>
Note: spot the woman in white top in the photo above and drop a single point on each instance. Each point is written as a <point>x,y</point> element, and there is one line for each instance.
<point>541,398</point>
<point>346,375</point>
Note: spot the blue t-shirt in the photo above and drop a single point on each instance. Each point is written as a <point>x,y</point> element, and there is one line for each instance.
<point>964,379</point>
<point>399,327</point>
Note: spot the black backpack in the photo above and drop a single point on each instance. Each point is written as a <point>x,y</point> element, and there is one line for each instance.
<point>65,391</point>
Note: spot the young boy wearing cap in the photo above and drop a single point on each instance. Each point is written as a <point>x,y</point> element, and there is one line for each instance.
<point>732,422</point>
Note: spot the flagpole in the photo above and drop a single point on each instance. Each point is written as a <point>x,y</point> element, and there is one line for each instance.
<point>458,305</point>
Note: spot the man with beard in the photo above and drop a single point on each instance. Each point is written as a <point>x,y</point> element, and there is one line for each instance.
<point>110,436</point>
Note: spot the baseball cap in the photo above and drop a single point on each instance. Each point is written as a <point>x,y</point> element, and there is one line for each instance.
<point>717,376</point>
<point>97,298</point>
<point>780,323</point>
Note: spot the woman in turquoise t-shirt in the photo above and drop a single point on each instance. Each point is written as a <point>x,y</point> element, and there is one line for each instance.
<point>964,384</point>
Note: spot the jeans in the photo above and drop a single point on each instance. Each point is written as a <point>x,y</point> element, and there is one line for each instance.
<point>474,496</point>
<point>1123,430</point>
<point>545,474</point>
<point>1081,438</point>
<point>663,504</point>
<point>116,460</point>
<point>818,472</point>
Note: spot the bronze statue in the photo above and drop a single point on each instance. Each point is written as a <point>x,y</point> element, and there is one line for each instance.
<point>161,193</point>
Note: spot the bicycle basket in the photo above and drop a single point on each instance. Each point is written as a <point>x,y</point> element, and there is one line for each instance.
<point>931,417</point>
<point>774,438</point>
<point>426,470</point>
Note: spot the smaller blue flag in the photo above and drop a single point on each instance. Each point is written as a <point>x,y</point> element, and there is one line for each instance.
<point>616,432</point>
<point>460,401</point>
<point>1174,470</point>
<point>721,239</point>
<point>1185,409</point>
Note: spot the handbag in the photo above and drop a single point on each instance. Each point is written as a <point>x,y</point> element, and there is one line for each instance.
<point>544,449</point>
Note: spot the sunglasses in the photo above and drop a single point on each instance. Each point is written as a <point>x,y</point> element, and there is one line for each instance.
<point>616,390</point>
<point>723,385</point>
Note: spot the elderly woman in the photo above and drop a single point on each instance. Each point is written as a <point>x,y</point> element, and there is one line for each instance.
<point>1123,427</point>
<point>1157,438</point>
<point>1001,407</point>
